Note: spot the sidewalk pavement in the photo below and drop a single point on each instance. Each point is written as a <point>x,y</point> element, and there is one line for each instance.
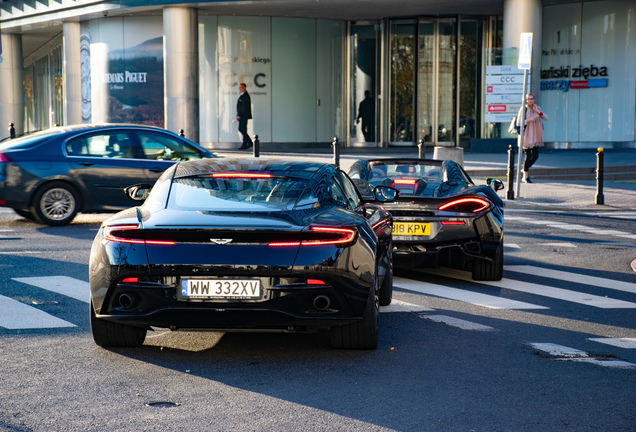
<point>562,179</point>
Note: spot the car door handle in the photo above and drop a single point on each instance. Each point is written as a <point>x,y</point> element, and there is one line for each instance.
<point>86,163</point>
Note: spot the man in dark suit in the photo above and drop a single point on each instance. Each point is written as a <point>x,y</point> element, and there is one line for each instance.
<point>243,114</point>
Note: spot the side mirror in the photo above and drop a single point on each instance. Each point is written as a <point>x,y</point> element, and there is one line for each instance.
<point>495,184</point>
<point>138,192</point>
<point>385,193</point>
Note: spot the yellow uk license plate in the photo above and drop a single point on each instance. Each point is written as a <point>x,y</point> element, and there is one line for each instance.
<point>411,229</point>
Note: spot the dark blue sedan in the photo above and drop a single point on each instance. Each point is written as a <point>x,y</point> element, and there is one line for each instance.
<point>52,175</point>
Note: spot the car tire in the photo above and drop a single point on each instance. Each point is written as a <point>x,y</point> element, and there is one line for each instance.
<point>55,204</point>
<point>360,334</point>
<point>490,270</point>
<point>386,290</point>
<point>24,213</point>
<point>111,334</point>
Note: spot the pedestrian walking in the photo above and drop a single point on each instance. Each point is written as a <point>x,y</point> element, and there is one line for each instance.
<point>243,114</point>
<point>532,135</point>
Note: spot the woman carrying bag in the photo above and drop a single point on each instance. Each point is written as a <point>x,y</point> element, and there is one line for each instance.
<point>532,135</point>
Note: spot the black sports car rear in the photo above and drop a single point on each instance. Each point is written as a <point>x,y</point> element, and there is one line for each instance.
<point>243,245</point>
<point>441,218</point>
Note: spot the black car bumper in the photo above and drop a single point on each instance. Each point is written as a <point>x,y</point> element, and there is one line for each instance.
<point>457,255</point>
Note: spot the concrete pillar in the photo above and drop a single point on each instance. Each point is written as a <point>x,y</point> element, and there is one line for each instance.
<point>181,70</point>
<point>525,16</point>
<point>11,85</point>
<point>72,73</point>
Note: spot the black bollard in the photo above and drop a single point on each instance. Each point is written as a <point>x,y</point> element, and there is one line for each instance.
<point>600,199</point>
<point>421,146</point>
<point>181,133</point>
<point>256,147</point>
<point>336,151</point>
<point>510,193</point>
<point>11,131</point>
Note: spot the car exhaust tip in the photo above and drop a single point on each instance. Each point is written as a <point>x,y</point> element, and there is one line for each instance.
<point>126,301</point>
<point>322,302</point>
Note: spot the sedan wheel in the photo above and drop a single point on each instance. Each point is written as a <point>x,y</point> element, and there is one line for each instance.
<point>55,204</point>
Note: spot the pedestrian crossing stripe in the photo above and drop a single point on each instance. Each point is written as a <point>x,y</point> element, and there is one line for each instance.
<point>15,315</point>
<point>574,277</point>
<point>68,286</point>
<point>456,322</point>
<point>443,291</point>
<point>563,353</point>
<point>572,227</point>
<point>628,343</point>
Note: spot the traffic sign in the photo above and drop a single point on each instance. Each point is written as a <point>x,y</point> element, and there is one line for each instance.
<point>525,51</point>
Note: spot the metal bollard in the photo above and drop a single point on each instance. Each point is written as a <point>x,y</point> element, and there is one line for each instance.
<point>336,151</point>
<point>256,147</point>
<point>600,199</point>
<point>510,193</point>
<point>181,133</point>
<point>11,131</point>
<point>421,146</point>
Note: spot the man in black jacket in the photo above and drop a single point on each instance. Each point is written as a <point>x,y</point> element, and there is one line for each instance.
<point>243,114</point>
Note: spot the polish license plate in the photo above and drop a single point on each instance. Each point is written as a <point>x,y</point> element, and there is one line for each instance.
<point>220,289</point>
<point>411,229</point>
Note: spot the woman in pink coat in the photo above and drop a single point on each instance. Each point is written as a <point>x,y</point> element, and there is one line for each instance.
<point>532,136</point>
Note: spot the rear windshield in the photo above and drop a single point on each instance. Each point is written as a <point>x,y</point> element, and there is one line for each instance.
<point>236,193</point>
<point>28,141</point>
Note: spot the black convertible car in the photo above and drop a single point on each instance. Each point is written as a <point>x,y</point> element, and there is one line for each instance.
<point>244,245</point>
<point>441,218</point>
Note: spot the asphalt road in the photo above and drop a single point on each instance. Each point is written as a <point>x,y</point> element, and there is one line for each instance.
<point>552,347</point>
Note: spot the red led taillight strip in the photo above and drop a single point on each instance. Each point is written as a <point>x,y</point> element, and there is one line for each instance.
<point>346,235</point>
<point>404,181</point>
<point>378,227</point>
<point>470,204</point>
<point>453,223</point>
<point>242,175</point>
<point>108,235</point>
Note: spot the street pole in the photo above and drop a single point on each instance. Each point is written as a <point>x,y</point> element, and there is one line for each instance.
<point>522,121</point>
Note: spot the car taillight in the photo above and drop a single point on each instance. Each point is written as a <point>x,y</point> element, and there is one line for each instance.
<point>315,282</point>
<point>404,182</point>
<point>325,236</point>
<point>4,158</point>
<point>453,223</point>
<point>130,280</point>
<point>131,234</point>
<point>246,175</point>
<point>465,205</point>
<point>378,227</point>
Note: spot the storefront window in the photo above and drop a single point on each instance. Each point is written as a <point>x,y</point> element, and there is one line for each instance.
<point>402,82</point>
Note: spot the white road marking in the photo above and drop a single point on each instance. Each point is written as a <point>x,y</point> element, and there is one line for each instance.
<point>21,252</point>
<point>70,287</point>
<point>574,277</point>
<point>17,315</point>
<point>571,227</point>
<point>512,245</point>
<point>560,244</point>
<point>402,306</point>
<point>561,294</point>
<point>488,301</point>
<point>456,322</point>
<point>629,343</point>
<point>563,353</point>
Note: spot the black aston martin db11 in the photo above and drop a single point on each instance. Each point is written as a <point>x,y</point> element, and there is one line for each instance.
<point>441,218</point>
<point>240,245</point>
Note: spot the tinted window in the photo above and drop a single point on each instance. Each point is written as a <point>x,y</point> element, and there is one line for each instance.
<point>164,147</point>
<point>113,144</point>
